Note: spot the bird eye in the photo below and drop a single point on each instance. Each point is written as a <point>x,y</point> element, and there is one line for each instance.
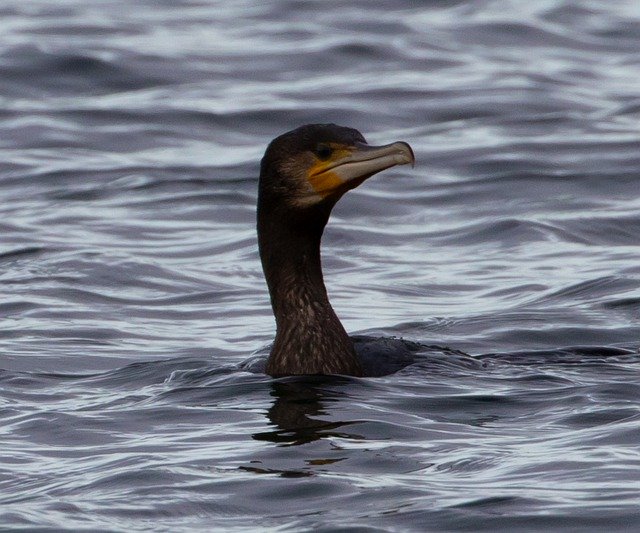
<point>323,151</point>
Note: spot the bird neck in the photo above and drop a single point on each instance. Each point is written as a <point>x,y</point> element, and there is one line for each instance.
<point>309,336</point>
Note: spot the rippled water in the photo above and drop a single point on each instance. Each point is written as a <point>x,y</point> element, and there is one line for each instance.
<point>131,289</point>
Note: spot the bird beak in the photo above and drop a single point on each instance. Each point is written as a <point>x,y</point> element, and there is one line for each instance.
<point>365,160</point>
<point>351,167</point>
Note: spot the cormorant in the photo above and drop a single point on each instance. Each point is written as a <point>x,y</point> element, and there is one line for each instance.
<point>302,175</point>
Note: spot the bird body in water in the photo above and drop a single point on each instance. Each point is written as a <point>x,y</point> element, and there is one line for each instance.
<point>302,175</point>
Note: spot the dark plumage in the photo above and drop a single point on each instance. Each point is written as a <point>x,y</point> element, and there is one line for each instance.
<point>303,174</point>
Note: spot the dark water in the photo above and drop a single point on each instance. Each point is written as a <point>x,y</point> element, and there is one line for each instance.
<point>130,287</point>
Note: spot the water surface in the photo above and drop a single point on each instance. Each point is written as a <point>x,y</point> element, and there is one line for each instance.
<point>131,289</point>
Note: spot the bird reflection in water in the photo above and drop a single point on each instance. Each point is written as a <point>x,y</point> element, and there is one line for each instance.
<point>298,404</point>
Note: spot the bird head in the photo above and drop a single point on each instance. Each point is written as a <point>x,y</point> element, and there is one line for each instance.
<point>317,163</point>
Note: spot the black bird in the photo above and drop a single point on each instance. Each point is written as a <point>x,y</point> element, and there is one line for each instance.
<point>302,175</point>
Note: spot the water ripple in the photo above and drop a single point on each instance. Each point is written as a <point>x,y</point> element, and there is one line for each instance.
<point>132,291</point>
